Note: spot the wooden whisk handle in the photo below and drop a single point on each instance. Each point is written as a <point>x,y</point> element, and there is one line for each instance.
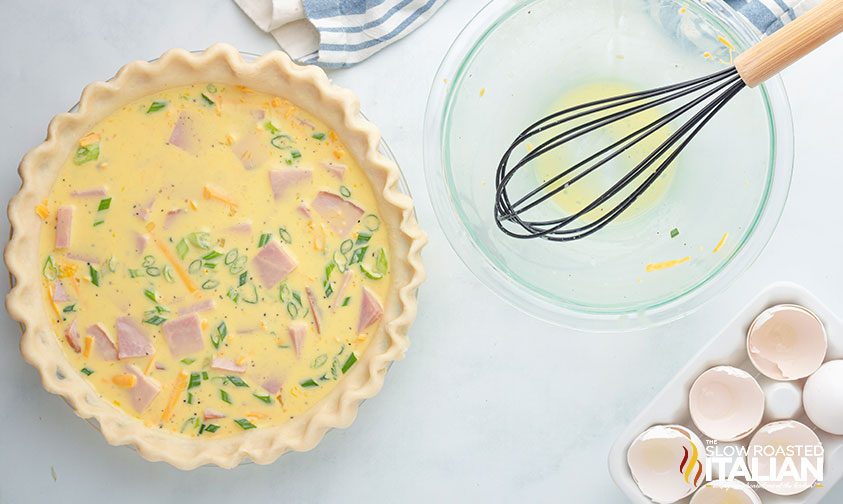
<point>799,37</point>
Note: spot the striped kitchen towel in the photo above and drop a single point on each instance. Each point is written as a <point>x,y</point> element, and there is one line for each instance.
<point>337,33</point>
<point>770,15</point>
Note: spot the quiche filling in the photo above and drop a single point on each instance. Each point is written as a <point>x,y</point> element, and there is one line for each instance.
<point>213,260</point>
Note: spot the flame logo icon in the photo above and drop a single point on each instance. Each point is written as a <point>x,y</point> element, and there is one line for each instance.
<point>690,461</point>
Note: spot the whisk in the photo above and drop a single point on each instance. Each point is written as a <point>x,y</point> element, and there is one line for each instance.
<point>531,215</point>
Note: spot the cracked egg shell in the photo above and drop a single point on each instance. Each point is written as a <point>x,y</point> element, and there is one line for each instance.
<point>725,491</point>
<point>786,342</point>
<point>667,462</point>
<point>726,403</point>
<point>769,448</point>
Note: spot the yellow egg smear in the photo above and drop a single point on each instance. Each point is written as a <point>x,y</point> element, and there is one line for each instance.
<point>578,195</point>
<point>213,260</point>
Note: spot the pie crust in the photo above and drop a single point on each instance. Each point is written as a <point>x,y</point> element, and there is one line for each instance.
<point>274,74</point>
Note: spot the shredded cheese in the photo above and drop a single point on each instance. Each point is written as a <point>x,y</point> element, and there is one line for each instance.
<point>179,387</point>
<point>667,264</point>
<point>720,243</point>
<point>126,380</point>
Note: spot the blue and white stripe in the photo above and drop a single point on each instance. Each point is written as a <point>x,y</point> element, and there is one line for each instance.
<point>770,15</point>
<point>352,30</point>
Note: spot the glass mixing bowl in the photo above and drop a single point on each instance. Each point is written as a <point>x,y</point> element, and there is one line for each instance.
<point>514,63</point>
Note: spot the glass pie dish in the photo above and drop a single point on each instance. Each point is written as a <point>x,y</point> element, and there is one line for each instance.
<point>718,204</point>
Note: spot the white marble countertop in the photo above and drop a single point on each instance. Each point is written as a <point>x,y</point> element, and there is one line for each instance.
<point>472,413</point>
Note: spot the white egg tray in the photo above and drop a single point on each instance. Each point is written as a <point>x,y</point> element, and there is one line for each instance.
<point>670,406</point>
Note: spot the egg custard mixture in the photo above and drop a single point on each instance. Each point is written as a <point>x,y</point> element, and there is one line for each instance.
<point>212,260</point>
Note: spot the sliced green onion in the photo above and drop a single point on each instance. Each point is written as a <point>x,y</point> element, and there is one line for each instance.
<point>188,361</point>
<point>268,126</point>
<point>237,381</point>
<point>195,380</point>
<point>346,246</point>
<point>309,383</point>
<point>230,256</point>
<point>207,100</point>
<point>95,275</point>
<point>156,106</point>
<point>224,396</point>
<point>363,238</point>
<point>295,154</point>
<point>210,284</point>
<point>211,88</point>
<point>195,266</point>
<point>211,255</point>
<point>85,371</point>
<point>319,361</point>
<point>212,428</point>
<point>674,233</point>
<point>182,248</point>
<point>349,362</point>
<point>245,424</point>
<point>233,294</point>
<point>155,320</point>
<point>243,278</point>
<point>151,295</point>
<point>253,299</point>
<point>200,239</point>
<point>358,255</point>
<point>135,273</point>
<point>281,142</point>
<point>86,154</point>
<point>69,308</point>
<point>346,301</point>
<point>153,271</point>
<point>50,271</point>
<point>264,239</point>
<point>318,136</point>
<point>345,191</point>
<point>112,264</point>
<point>371,222</point>
<point>285,235</point>
<point>264,398</point>
<point>222,332</point>
<point>168,274</point>
<point>105,204</point>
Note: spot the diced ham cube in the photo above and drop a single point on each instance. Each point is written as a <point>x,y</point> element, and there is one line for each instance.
<point>273,264</point>
<point>370,310</point>
<point>244,227</point>
<point>341,214</point>
<point>201,306</point>
<point>298,331</point>
<point>282,181</point>
<point>71,334</point>
<point>82,258</point>
<point>223,364</point>
<point>171,216</point>
<point>102,342</point>
<point>183,135</point>
<point>64,226</point>
<point>335,169</point>
<point>251,151</point>
<point>60,295</point>
<point>140,242</point>
<point>212,414</point>
<point>90,193</point>
<point>184,334</point>
<point>144,211</point>
<point>304,211</point>
<point>272,385</point>
<point>145,390</point>
<point>339,295</point>
<point>314,309</point>
<point>132,340</point>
